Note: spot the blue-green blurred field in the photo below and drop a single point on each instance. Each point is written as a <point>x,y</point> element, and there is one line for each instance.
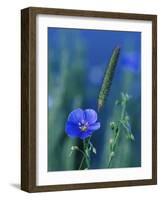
<point>77,60</point>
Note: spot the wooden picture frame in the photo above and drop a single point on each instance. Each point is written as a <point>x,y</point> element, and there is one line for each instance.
<point>29,96</point>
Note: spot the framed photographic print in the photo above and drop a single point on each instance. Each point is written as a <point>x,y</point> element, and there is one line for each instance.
<point>88,99</point>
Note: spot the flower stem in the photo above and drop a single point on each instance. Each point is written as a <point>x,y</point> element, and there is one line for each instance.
<point>80,166</point>
<point>117,132</point>
<point>86,151</point>
<point>81,152</point>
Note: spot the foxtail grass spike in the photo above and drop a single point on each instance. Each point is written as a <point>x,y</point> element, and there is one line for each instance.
<point>108,77</point>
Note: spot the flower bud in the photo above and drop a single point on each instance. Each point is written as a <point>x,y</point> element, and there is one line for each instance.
<point>112,125</point>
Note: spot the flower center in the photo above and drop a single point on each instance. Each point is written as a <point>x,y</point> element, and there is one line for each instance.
<point>83,126</point>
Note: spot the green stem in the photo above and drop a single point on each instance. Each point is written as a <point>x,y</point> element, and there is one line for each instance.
<point>109,162</point>
<point>85,146</point>
<point>117,134</point>
<point>85,153</point>
<point>126,128</point>
<point>81,152</point>
<point>123,111</point>
<point>81,162</point>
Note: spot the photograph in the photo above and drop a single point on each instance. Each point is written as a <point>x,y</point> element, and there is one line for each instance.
<point>94,99</point>
<point>89,99</point>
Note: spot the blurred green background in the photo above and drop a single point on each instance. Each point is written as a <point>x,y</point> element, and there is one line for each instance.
<point>77,60</point>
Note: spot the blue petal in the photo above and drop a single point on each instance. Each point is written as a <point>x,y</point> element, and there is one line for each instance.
<point>94,127</point>
<point>84,135</point>
<point>90,116</point>
<point>76,116</point>
<point>72,130</point>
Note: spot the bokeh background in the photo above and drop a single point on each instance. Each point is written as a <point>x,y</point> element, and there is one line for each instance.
<point>77,60</point>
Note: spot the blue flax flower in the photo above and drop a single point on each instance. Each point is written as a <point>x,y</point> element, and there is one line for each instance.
<point>82,123</point>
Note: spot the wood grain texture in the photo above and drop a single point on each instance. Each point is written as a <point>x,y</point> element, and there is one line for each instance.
<point>154,99</point>
<point>24,100</point>
<point>28,98</point>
